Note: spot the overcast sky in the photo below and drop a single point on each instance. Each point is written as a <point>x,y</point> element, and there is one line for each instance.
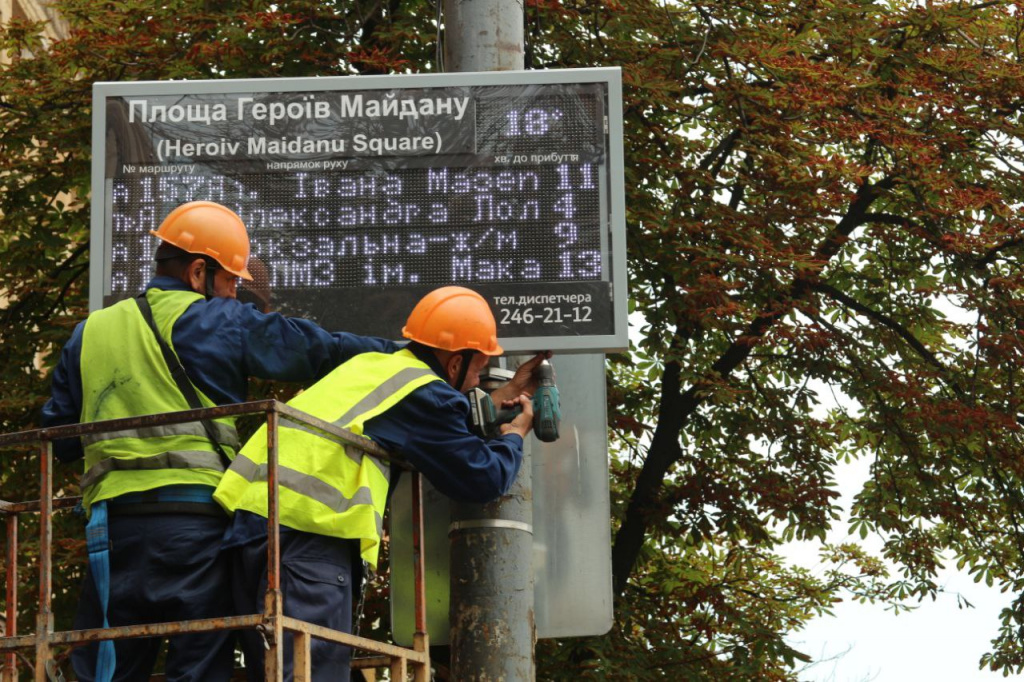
<point>937,642</point>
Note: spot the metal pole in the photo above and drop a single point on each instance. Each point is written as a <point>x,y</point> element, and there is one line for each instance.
<point>491,611</point>
<point>483,35</point>
<point>493,631</point>
<point>44,619</point>
<point>421,640</point>
<point>273,661</point>
<point>11,624</point>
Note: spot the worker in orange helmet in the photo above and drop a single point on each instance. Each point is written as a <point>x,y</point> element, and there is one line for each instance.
<point>154,531</point>
<point>332,499</point>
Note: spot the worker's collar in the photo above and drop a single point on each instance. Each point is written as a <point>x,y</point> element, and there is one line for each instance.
<point>167,283</point>
<point>426,355</point>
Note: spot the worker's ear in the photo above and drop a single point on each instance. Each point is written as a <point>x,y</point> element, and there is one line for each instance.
<point>195,275</point>
<point>453,367</point>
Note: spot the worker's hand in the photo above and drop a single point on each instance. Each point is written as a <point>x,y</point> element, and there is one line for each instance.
<point>523,423</point>
<point>523,381</point>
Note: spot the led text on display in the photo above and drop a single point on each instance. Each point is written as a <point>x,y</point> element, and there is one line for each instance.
<point>358,201</point>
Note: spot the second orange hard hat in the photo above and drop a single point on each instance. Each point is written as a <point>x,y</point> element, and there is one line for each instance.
<point>209,229</point>
<point>454,318</point>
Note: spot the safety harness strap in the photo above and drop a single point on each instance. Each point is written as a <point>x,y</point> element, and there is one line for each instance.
<point>180,377</point>
<point>467,357</point>
<point>98,545</point>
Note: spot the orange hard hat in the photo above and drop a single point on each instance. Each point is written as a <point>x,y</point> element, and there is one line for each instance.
<point>454,318</point>
<point>209,229</point>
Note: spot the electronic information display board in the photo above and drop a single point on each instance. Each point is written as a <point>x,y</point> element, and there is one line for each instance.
<point>362,193</point>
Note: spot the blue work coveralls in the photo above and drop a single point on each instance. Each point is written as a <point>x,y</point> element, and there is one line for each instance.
<point>430,428</point>
<point>168,566</point>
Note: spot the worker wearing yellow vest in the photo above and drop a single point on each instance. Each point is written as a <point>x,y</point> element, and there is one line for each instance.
<point>154,532</point>
<point>332,497</point>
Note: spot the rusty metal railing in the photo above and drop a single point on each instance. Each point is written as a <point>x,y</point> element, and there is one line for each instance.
<point>273,623</point>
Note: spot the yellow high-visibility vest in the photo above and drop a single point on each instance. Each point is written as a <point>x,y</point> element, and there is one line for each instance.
<point>325,487</point>
<point>124,374</point>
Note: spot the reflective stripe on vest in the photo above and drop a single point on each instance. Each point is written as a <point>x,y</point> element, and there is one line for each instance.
<point>226,435</point>
<point>386,389</point>
<point>165,460</point>
<point>307,485</point>
<point>321,490</point>
<point>354,454</point>
<point>124,375</point>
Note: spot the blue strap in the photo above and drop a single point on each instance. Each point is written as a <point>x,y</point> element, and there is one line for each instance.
<point>98,544</point>
<point>170,493</point>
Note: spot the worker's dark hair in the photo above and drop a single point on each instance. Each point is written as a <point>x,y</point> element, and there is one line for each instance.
<point>172,261</point>
<point>467,356</point>
<point>418,348</point>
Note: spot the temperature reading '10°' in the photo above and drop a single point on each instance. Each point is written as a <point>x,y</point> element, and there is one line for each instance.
<point>531,122</point>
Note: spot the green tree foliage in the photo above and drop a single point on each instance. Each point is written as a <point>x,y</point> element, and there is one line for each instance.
<point>824,198</point>
<point>45,116</point>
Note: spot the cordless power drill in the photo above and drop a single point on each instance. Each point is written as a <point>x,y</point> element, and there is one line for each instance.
<point>488,418</point>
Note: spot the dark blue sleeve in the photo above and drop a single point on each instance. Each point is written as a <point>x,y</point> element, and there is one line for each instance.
<point>290,348</point>
<point>222,342</point>
<point>430,428</point>
<point>65,403</point>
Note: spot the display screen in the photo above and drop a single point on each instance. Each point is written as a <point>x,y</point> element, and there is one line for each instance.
<point>357,202</point>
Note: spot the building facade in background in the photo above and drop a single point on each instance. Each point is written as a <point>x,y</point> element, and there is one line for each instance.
<point>33,10</point>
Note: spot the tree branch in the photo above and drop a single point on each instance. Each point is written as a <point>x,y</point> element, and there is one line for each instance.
<point>885,321</point>
<point>676,406</point>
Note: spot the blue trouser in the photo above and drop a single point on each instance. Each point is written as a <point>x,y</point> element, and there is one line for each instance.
<point>317,576</point>
<point>163,568</point>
